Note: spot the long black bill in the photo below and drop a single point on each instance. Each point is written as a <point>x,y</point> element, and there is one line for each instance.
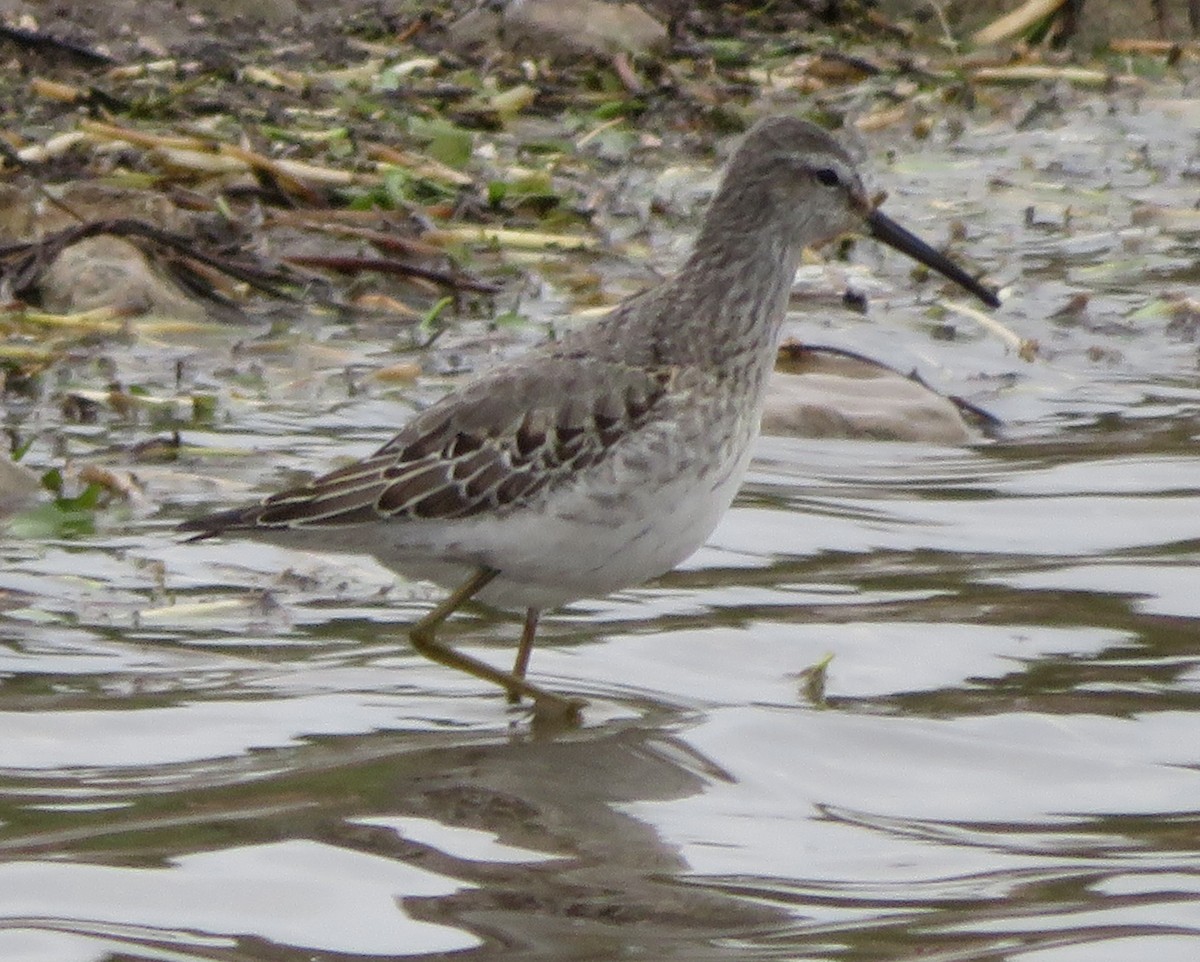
<point>883,228</point>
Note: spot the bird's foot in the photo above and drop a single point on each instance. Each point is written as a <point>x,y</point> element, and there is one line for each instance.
<point>557,711</point>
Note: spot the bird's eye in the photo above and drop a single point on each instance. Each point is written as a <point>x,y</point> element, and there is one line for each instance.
<point>827,176</point>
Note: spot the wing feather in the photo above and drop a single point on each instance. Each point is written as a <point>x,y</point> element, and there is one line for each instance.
<point>496,444</point>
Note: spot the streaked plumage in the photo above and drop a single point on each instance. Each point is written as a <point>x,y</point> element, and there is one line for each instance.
<point>606,458</point>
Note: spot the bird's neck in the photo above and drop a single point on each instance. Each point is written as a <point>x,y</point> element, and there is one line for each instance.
<point>734,290</point>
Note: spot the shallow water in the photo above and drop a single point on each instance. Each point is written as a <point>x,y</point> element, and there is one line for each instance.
<point>229,752</point>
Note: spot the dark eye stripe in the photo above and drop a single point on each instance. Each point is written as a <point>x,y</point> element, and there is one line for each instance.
<point>827,176</point>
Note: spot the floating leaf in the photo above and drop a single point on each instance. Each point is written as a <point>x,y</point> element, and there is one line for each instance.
<point>813,679</point>
<point>447,143</point>
<point>21,450</point>
<point>514,100</point>
<point>428,325</point>
<point>57,519</point>
<point>510,319</point>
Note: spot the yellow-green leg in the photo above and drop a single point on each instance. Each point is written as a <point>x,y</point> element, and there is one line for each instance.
<point>424,640</point>
<point>528,630</point>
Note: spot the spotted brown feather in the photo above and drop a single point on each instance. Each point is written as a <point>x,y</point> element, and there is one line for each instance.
<point>459,459</point>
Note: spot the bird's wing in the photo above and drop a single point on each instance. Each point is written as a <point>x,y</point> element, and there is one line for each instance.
<point>494,445</point>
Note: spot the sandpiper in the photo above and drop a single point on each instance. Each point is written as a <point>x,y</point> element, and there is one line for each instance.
<point>606,458</point>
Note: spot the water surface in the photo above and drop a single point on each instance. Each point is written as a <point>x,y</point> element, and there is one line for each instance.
<point>229,752</point>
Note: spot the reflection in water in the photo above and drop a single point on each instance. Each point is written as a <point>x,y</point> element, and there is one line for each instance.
<point>513,843</point>
<point>1005,758</point>
<point>230,753</point>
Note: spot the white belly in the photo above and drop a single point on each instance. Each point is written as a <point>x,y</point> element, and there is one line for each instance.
<point>608,531</point>
<point>652,501</point>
